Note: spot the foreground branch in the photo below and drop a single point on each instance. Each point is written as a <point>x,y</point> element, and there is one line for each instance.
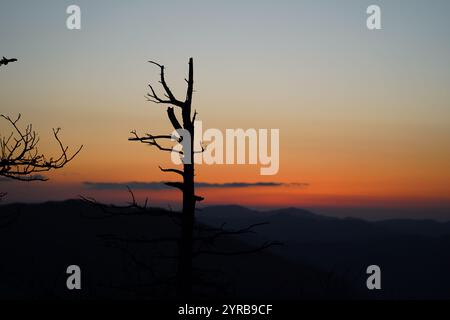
<point>20,158</point>
<point>132,208</point>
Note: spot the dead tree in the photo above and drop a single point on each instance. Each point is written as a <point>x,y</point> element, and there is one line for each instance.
<point>19,154</point>
<point>190,244</point>
<point>194,240</point>
<point>184,276</point>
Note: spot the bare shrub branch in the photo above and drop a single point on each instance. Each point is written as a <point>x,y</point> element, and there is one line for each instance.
<point>19,154</point>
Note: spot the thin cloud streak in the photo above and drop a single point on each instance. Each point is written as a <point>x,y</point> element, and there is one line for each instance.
<point>202,185</point>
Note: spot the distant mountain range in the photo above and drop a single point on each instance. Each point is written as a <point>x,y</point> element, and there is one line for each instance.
<point>414,255</point>
<point>322,257</point>
<point>319,224</point>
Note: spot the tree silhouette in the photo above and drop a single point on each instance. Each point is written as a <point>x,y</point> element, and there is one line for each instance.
<point>195,239</point>
<point>19,154</point>
<point>187,186</point>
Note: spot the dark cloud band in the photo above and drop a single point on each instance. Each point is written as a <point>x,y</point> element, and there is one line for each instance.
<point>204,185</point>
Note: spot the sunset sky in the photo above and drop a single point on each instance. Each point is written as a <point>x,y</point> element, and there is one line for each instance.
<point>364,116</point>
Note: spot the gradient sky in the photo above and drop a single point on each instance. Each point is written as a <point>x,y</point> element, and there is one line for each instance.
<point>364,116</point>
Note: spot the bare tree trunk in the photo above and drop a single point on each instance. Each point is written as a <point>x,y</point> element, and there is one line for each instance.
<point>184,276</point>
<point>184,279</point>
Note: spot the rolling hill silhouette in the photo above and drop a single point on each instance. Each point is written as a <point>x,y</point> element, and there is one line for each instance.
<point>46,238</point>
<point>414,255</point>
<point>322,257</point>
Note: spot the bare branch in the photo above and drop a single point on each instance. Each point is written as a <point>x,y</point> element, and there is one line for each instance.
<point>171,98</point>
<point>180,172</point>
<point>195,116</point>
<point>221,232</point>
<point>153,97</point>
<point>131,209</point>
<point>20,158</point>
<point>152,140</point>
<point>203,148</point>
